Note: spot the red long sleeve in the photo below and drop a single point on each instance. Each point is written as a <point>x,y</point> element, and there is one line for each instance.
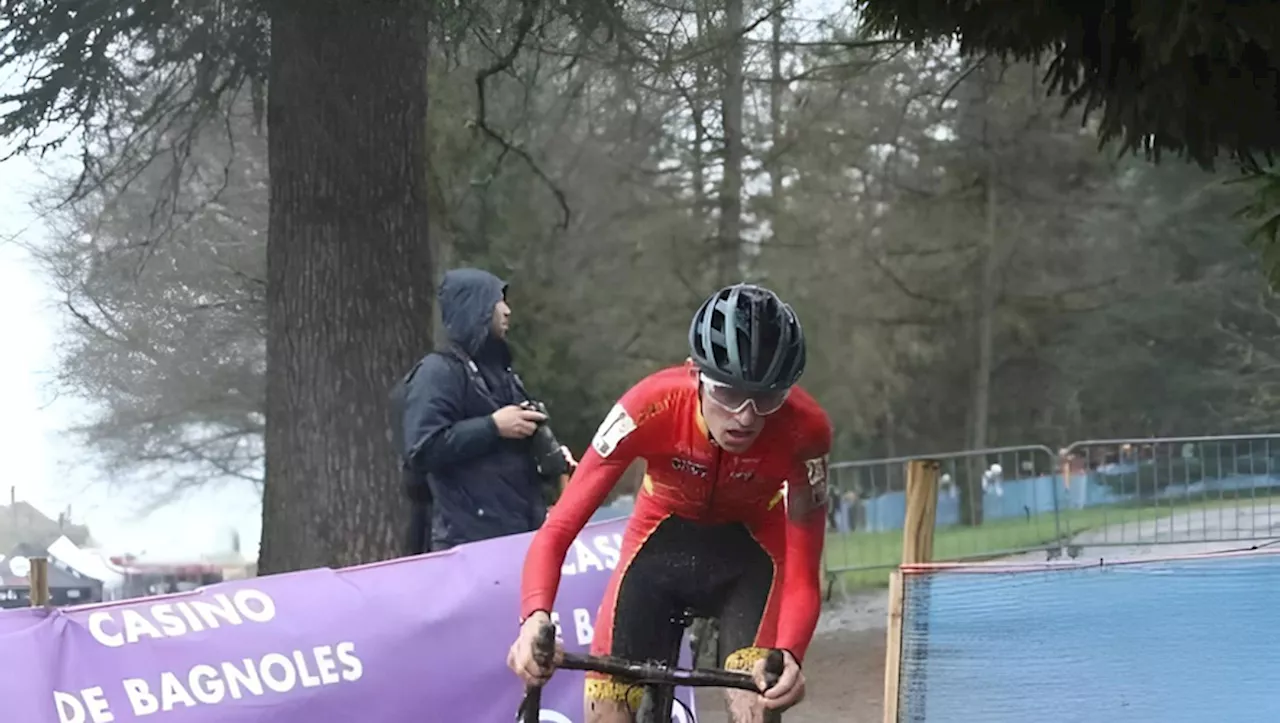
<point>801,594</point>
<point>591,483</point>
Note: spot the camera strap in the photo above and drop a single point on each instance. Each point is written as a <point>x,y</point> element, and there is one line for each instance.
<point>473,371</point>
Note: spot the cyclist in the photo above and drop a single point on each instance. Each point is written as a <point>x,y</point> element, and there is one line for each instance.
<point>728,521</point>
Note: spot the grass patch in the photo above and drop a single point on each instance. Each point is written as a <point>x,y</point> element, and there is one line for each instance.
<point>880,552</point>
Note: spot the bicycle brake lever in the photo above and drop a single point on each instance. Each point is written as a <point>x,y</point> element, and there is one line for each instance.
<point>544,648</point>
<point>773,667</point>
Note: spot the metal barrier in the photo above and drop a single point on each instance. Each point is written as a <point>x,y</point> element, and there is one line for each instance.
<point>992,503</point>
<point>1033,501</point>
<point>1183,490</point>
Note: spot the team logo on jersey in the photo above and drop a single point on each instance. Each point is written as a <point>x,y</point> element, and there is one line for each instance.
<point>615,427</point>
<point>816,469</point>
<point>688,467</point>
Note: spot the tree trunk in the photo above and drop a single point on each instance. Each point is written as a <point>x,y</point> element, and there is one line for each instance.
<point>349,272</point>
<point>777,85</point>
<point>984,320</point>
<point>971,501</point>
<point>731,100</point>
<point>890,433</point>
<point>698,109</point>
<point>442,246</point>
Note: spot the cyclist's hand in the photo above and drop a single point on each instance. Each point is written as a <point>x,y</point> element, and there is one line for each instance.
<point>516,422</point>
<point>789,689</point>
<point>521,658</point>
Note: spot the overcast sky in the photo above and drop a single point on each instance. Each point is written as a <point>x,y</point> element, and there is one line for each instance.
<point>39,460</point>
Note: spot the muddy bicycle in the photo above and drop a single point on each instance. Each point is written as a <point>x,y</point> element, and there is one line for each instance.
<point>658,680</point>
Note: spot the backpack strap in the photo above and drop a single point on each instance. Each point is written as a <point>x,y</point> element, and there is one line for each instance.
<point>472,369</point>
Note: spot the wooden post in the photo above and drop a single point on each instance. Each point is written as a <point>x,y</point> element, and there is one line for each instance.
<point>893,649</point>
<point>922,511</point>
<point>917,547</point>
<point>38,579</point>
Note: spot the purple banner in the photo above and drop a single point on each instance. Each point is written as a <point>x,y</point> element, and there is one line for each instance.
<point>421,639</point>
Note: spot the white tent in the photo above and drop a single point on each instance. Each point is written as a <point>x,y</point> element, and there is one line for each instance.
<point>86,563</point>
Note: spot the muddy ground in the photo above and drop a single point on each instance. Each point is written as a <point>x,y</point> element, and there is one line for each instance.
<point>844,668</point>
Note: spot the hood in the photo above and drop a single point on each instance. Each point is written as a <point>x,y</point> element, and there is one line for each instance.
<point>467,298</point>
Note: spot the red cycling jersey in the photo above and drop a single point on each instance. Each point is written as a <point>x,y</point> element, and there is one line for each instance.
<point>689,476</point>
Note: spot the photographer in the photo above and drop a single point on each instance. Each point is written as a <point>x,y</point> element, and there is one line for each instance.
<point>477,447</point>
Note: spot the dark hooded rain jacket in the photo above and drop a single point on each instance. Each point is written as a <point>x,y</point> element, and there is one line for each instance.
<point>482,485</point>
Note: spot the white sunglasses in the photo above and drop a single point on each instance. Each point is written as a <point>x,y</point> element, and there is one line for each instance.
<point>734,400</point>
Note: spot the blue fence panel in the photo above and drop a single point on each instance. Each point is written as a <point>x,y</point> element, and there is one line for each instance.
<point>1035,496</point>
<point>1177,641</point>
<point>1019,498</point>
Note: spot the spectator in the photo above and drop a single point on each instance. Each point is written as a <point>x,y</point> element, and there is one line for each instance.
<point>846,504</point>
<point>466,433</point>
<point>993,479</point>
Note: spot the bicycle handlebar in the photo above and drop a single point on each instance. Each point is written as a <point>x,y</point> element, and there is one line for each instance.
<point>641,673</point>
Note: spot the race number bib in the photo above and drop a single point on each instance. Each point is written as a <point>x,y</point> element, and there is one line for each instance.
<point>615,427</point>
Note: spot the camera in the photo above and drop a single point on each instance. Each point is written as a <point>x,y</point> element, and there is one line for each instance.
<point>545,448</point>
